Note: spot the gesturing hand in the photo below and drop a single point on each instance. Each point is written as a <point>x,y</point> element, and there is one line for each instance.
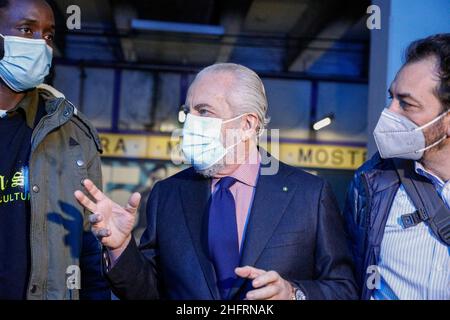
<point>110,223</point>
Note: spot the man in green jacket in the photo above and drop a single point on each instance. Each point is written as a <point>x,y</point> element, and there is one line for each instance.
<point>47,148</point>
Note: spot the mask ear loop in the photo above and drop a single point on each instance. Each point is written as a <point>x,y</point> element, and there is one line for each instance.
<point>427,125</point>
<point>432,145</point>
<point>232,119</point>
<point>258,134</point>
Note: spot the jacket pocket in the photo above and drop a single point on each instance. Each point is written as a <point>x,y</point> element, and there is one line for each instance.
<point>285,239</point>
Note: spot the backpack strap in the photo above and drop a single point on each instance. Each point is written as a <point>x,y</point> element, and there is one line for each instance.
<point>431,208</point>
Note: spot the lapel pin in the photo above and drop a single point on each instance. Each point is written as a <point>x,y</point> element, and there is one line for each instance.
<point>285,189</point>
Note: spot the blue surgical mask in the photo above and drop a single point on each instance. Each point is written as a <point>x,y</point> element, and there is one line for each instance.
<point>202,144</point>
<point>26,62</point>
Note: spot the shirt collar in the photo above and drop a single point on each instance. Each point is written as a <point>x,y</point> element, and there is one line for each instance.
<point>247,173</point>
<point>28,106</point>
<point>438,182</point>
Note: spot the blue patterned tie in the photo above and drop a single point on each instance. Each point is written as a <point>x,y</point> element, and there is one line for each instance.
<point>223,235</point>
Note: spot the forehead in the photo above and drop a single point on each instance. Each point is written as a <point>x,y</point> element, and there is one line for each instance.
<point>37,10</point>
<point>211,87</point>
<point>418,76</point>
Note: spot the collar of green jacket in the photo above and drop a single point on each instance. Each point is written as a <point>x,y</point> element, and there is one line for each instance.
<point>59,110</point>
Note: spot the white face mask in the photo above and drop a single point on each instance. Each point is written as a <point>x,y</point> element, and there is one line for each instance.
<point>26,62</point>
<point>202,144</point>
<point>398,137</point>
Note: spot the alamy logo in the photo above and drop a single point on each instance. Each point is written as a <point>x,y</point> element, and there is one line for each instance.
<point>374,278</point>
<point>374,20</point>
<point>74,20</point>
<point>73,281</point>
<point>204,144</point>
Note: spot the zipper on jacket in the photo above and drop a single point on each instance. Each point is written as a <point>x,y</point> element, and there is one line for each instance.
<point>365,181</point>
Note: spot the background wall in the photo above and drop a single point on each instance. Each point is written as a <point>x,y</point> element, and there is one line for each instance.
<point>129,67</point>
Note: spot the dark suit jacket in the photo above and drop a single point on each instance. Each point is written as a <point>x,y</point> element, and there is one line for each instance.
<point>294,228</point>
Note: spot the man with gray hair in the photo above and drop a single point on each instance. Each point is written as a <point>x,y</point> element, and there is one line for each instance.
<point>223,229</point>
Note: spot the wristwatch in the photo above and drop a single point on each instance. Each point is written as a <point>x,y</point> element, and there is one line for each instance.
<point>298,294</point>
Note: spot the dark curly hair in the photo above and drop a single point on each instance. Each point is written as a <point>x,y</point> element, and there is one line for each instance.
<point>437,46</point>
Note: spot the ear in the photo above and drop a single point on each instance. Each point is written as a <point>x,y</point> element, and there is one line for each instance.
<point>250,126</point>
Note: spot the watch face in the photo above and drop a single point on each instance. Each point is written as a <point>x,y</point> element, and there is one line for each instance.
<point>299,295</point>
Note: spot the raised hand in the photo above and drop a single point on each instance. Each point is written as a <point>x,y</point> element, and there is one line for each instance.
<point>110,223</point>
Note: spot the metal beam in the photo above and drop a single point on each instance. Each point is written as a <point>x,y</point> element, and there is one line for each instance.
<point>195,69</point>
<point>322,19</point>
<point>232,22</point>
<point>123,15</point>
<point>307,57</point>
<point>177,27</point>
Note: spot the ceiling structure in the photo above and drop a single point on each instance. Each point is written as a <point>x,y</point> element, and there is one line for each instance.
<point>288,36</point>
